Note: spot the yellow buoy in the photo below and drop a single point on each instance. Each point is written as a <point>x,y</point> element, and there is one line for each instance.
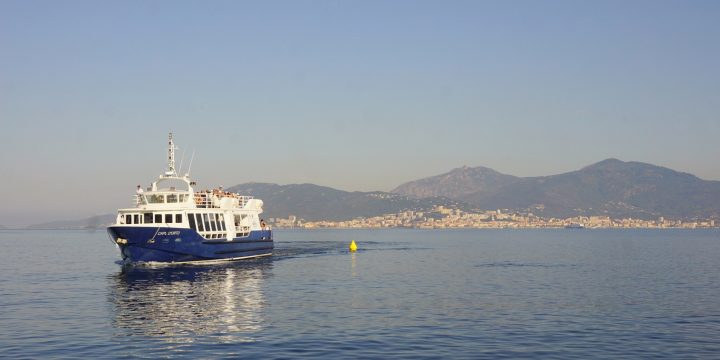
<point>353,246</point>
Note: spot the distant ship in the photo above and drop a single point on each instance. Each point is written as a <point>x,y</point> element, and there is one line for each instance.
<point>574,226</point>
<point>171,222</point>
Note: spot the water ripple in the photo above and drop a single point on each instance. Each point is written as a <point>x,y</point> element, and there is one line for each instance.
<point>405,294</point>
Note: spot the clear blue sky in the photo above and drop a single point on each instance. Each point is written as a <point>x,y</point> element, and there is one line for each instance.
<point>356,95</point>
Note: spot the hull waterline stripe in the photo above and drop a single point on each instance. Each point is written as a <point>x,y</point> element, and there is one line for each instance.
<point>216,242</point>
<point>244,250</point>
<point>196,262</point>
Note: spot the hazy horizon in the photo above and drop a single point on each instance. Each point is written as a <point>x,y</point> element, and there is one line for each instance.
<point>51,219</point>
<point>357,96</point>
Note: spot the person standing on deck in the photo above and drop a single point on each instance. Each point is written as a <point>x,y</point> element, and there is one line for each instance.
<point>139,193</point>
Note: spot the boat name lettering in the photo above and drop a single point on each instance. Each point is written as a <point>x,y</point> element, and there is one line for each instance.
<point>168,233</point>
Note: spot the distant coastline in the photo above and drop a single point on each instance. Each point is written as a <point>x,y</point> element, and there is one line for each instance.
<point>610,193</point>
<point>416,228</point>
<point>442,218</point>
<point>439,217</point>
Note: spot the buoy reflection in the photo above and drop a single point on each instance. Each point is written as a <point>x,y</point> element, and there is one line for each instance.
<point>353,265</point>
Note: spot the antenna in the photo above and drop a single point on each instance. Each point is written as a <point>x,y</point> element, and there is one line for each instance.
<point>182,157</point>
<point>191,160</point>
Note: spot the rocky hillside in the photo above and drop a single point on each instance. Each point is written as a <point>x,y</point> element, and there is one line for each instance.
<point>610,187</point>
<point>457,184</point>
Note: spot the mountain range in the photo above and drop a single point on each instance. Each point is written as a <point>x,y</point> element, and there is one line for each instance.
<point>611,187</point>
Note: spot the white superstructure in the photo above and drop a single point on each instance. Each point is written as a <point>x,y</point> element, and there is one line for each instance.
<point>171,201</point>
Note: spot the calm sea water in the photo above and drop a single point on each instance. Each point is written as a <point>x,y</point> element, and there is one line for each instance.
<point>405,294</point>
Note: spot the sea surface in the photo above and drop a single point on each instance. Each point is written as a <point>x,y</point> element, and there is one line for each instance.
<point>543,294</point>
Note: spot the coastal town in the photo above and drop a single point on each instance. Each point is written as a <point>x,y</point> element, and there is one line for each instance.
<point>446,218</point>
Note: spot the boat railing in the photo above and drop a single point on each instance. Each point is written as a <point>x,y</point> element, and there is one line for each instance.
<point>138,200</point>
<point>242,231</point>
<point>202,200</point>
<point>215,200</point>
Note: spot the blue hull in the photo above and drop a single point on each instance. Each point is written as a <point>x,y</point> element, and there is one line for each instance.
<point>167,244</point>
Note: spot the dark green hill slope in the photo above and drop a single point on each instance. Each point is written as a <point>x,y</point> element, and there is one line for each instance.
<point>313,202</point>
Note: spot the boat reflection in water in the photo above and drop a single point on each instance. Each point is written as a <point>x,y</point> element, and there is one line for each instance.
<point>187,303</point>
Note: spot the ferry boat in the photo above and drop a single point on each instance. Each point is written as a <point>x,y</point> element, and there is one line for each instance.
<point>171,222</point>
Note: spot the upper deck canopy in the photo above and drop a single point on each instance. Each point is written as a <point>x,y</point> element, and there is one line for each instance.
<point>170,192</point>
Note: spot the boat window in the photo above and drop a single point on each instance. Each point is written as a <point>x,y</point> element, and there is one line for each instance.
<point>128,219</point>
<point>183,197</point>
<point>191,220</point>
<point>221,222</point>
<point>200,223</point>
<point>212,222</point>
<point>156,199</point>
<point>172,198</point>
<point>136,219</point>
<point>147,218</point>
<point>178,218</point>
<point>158,218</point>
<point>206,222</point>
<point>168,218</point>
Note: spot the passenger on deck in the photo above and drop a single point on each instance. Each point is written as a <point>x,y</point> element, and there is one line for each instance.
<point>138,194</point>
<point>263,225</point>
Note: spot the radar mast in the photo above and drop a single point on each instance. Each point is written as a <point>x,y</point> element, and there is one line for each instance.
<point>171,157</point>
